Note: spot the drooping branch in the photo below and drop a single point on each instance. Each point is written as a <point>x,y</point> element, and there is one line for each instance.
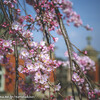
<point>65,35</point>
<point>69,46</point>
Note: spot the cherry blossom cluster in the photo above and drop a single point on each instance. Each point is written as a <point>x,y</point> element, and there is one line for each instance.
<point>29,18</point>
<point>85,63</point>
<point>5,48</point>
<point>70,14</point>
<point>5,25</point>
<point>38,63</point>
<point>46,14</point>
<point>93,94</point>
<point>37,60</point>
<point>97,91</point>
<point>81,66</point>
<point>47,10</point>
<point>18,27</point>
<point>10,3</point>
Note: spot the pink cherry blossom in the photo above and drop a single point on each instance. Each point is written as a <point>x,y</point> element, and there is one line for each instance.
<point>57,87</point>
<point>88,27</point>
<point>59,32</point>
<point>55,39</point>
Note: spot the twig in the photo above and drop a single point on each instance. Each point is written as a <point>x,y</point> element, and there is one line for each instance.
<point>83,74</point>
<point>68,44</point>
<point>22,7</point>
<point>16,69</point>
<point>78,49</point>
<point>79,94</point>
<point>54,89</point>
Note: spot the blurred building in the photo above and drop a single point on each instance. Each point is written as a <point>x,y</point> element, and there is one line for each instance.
<point>7,77</point>
<point>93,54</point>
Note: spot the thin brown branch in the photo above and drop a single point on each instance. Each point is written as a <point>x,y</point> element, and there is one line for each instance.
<point>4,11</point>
<point>54,89</point>
<point>16,69</point>
<point>78,49</point>
<point>79,94</point>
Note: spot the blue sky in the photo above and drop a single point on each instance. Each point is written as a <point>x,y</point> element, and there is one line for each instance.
<point>89,11</point>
